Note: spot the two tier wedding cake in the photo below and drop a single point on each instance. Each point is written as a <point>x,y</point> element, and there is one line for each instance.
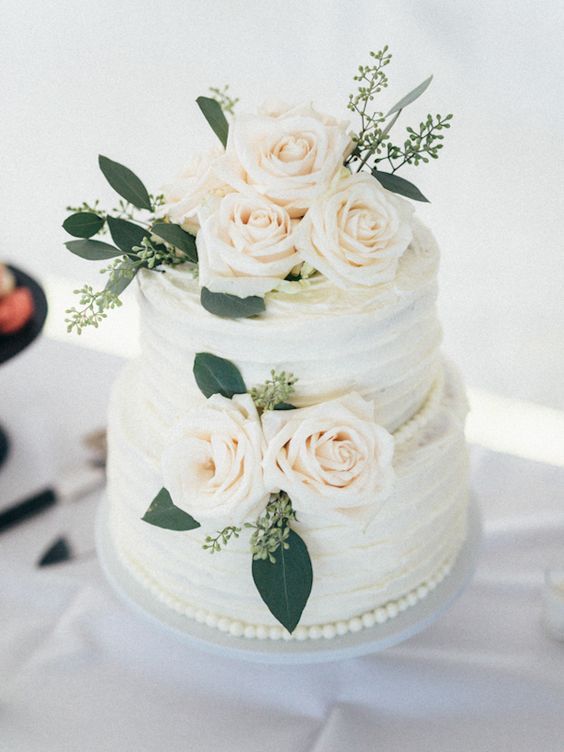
<point>287,455</point>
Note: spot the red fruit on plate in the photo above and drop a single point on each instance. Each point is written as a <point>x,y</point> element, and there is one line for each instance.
<point>7,281</point>
<point>16,309</point>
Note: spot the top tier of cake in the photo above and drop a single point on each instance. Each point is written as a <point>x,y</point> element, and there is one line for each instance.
<point>383,342</point>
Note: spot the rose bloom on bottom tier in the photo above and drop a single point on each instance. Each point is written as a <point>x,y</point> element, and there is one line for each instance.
<point>211,465</point>
<point>332,458</point>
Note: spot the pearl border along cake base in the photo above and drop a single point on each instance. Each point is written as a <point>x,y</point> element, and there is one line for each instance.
<point>369,640</point>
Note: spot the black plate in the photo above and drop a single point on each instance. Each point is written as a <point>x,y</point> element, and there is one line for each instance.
<point>12,344</point>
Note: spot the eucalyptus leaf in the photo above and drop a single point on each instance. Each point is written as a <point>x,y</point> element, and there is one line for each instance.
<point>284,406</point>
<point>119,282</point>
<point>411,97</point>
<point>230,306</point>
<point>179,238</point>
<point>215,375</point>
<point>285,585</point>
<point>398,185</point>
<point>93,250</point>
<point>126,235</point>
<point>215,116</point>
<point>83,224</point>
<point>163,513</point>
<point>125,182</point>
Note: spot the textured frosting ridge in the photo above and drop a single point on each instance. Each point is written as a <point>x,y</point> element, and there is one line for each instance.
<point>383,343</point>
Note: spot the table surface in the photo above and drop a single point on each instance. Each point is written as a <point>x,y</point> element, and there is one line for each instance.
<point>79,670</point>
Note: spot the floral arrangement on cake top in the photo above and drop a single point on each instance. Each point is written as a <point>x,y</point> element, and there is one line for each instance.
<point>288,194</point>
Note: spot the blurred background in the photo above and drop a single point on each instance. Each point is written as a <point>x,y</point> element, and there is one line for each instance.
<point>120,78</point>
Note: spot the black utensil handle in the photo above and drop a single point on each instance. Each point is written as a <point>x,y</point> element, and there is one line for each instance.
<point>27,508</point>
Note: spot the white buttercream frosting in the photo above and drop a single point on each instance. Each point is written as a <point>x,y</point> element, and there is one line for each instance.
<point>382,343</point>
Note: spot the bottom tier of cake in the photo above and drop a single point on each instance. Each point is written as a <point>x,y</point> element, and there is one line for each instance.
<point>361,577</point>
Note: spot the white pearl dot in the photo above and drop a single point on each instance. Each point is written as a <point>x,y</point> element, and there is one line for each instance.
<point>342,628</point>
<point>329,631</point>
<point>402,603</point>
<point>223,624</point>
<point>381,615</point>
<point>211,620</point>
<point>300,633</point>
<point>411,598</point>
<point>201,615</point>
<point>286,635</point>
<point>392,609</point>
<point>275,633</point>
<point>261,632</point>
<point>422,591</point>
<point>236,629</point>
<point>369,619</point>
<point>355,624</point>
<point>250,632</point>
<point>315,633</point>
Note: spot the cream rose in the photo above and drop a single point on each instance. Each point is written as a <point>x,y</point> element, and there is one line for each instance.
<point>211,465</point>
<point>190,189</point>
<point>246,246</point>
<point>356,232</point>
<point>332,458</point>
<point>287,155</point>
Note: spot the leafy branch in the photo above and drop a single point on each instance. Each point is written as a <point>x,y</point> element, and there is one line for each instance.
<point>213,544</point>
<point>421,145</point>
<point>372,80</point>
<point>272,529</point>
<point>141,241</point>
<point>96,304</point>
<point>373,144</point>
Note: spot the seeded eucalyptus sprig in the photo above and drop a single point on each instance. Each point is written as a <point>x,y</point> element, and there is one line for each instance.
<point>215,543</point>
<point>224,98</point>
<point>272,528</point>
<point>373,141</point>
<point>275,391</point>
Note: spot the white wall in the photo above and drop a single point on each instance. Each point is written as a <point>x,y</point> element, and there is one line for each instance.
<point>120,78</point>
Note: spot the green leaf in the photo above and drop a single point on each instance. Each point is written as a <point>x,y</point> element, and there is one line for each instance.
<point>230,306</point>
<point>213,113</point>
<point>126,234</point>
<point>216,375</point>
<point>284,406</point>
<point>119,282</point>
<point>93,250</point>
<point>179,238</point>
<point>83,224</point>
<point>411,97</point>
<point>163,513</point>
<point>398,185</point>
<point>125,182</point>
<point>285,585</point>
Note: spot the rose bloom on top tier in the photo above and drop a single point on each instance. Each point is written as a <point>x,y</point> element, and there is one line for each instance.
<point>279,196</point>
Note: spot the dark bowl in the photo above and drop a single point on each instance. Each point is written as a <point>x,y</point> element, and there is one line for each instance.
<point>12,344</point>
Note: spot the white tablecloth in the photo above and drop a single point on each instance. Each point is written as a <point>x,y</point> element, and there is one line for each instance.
<point>81,671</point>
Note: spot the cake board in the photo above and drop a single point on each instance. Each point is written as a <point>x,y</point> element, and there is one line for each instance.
<point>351,645</point>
